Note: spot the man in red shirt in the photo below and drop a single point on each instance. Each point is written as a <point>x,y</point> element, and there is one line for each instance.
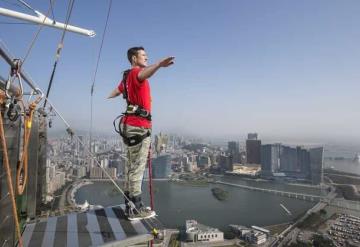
<point>135,126</point>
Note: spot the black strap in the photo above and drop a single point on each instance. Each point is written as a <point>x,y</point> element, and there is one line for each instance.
<point>129,141</point>
<point>134,140</point>
<point>125,93</point>
<point>117,130</point>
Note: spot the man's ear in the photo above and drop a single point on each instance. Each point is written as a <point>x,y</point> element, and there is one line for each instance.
<point>133,58</point>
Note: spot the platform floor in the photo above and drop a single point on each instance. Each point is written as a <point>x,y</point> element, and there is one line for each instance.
<point>99,227</point>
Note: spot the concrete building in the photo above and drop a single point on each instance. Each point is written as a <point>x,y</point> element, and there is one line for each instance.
<point>104,163</point>
<point>270,158</point>
<point>252,136</point>
<point>95,172</point>
<point>253,151</point>
<point>196,232</point>
<point>226,162</point>
<point>234,151</point>
<point>204,161</point>
<point>80,172</point>
<point>111,171</point>
<point>288,159</point>
<point>296,163</point>
<point>161,166</point>
<point>316,161</point>
<point>190,163</point>
<point>254,235</point>
<point>161,142</point>
<point>303,161</point>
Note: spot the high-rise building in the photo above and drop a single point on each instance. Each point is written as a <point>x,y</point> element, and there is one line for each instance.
<point>226,163</point>
<point>80,171</point>
<point>204,161</point>
<point>104,163</point>
<point>252,136</point>
<point>253,149</point>
<point>161,142</point>
<point>111,171</point>
<point>303,159</point>
<point>316,161</point>
<point>95,172</point>
<point>270,158</point>
<point>288,159</point>
<point>295,162</point>
<point>234,151</point>
<point>161,166</point>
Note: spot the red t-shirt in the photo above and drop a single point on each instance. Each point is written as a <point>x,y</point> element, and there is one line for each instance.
<point>138,94</point>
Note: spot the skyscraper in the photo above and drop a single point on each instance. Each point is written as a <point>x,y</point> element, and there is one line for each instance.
<point>303,159</point>
<point>252,136</point>
<point>225,162</point>
<point>270,158</point>
<point>234,151</point>
<point>288,159</point>
<point>316,161</point>
<point>253,149</point>
<point>161,166</point>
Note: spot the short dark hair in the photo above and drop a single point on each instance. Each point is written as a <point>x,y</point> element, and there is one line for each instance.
<point>133,52</point>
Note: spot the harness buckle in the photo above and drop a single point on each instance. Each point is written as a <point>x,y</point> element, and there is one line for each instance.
<point>132,109</point>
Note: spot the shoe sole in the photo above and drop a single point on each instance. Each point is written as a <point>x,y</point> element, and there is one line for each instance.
<point>153,214</point>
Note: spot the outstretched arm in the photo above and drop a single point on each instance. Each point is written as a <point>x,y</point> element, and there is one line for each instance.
<point>148,71</point>
<point>114,93</point>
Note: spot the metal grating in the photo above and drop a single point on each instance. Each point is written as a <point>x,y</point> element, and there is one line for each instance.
<point>99,227</point>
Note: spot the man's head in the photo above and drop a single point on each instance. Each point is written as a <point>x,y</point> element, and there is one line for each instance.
<point>137,56</point>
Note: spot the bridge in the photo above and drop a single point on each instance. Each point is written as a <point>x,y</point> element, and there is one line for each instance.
<point>300,196</point>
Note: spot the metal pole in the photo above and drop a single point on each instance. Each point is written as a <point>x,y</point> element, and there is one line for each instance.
<point>43,20</point>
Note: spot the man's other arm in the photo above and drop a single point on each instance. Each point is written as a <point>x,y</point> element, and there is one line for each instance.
<point>114,93</point>
<point>148,71</point>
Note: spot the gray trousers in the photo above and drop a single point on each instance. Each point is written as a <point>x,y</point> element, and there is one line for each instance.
<point>137,158</point>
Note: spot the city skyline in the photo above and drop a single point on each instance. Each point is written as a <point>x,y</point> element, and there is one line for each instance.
<point>281,69</point>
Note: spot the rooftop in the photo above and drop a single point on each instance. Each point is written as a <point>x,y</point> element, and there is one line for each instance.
<point>99,227</point>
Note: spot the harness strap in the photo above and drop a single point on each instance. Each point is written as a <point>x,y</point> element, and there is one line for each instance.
<point>125,93</point>
<point>129,141</point>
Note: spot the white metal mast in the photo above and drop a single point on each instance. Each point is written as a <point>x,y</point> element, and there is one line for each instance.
<point>43,20</point>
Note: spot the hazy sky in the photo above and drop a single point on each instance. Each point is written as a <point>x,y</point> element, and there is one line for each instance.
<point>280,68</point>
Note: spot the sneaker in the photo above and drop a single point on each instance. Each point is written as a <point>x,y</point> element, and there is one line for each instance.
<point>141,213</point>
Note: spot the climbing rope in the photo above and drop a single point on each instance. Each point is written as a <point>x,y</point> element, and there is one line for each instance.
<point>8,175</point>
<point>22,166</point>
<point>155,233</point>
<point>150,180</point>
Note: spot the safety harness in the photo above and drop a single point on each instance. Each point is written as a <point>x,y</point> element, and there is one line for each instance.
<point>131,110</point>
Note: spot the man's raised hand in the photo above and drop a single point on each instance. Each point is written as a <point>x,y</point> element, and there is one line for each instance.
<point>166,62</point>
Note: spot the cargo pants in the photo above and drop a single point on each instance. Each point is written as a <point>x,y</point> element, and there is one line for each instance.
<point>137,158</point>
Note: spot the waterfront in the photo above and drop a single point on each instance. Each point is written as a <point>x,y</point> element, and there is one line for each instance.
<point>346,165</point>
<point>175,203</point>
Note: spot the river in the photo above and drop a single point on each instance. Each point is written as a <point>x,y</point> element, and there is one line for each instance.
<point>175,203</point>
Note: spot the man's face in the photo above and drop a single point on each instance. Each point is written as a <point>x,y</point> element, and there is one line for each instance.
<point>141,59</point>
